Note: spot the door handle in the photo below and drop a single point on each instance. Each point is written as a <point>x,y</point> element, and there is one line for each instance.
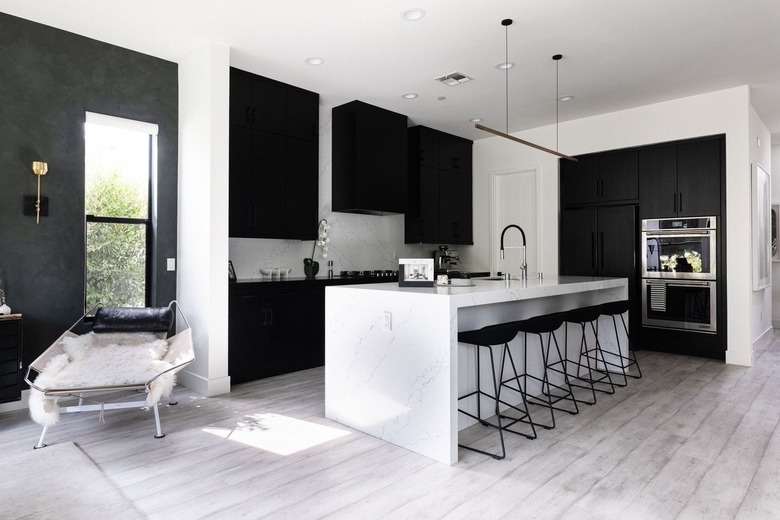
<point>593,250</point>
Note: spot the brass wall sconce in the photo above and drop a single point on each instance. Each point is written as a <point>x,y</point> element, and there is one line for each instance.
<point>38,206</point>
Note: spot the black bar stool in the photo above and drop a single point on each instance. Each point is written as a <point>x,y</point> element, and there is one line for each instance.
<point>483,339</point>
<point>591,357</point>
<point>538,326</point>
<point>613,310</point>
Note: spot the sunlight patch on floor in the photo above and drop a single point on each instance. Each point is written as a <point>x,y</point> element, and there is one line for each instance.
<point>277,433</point>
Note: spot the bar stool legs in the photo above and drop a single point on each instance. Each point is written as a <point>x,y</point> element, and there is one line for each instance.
<point>591,360</point>
<point>613,310</point>
<point>551,393</point>
<point>483,339</point>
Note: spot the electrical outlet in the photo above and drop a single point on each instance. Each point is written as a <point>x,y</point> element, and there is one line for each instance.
<point>171,264</point>
<point>388,320</point>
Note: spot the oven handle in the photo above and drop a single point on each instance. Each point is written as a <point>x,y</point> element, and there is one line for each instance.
<point>688,233</point>
<point>678,283</point>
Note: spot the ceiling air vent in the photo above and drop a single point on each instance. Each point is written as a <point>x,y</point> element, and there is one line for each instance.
<point>453,78</point>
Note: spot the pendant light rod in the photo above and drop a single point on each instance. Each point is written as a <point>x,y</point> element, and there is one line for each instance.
<point>506,23</point>
<point>557,58</point>
<point>522,141</point>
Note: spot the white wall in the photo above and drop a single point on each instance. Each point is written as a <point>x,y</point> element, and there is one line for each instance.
<point>775,152</point>
<point>759,145</point>
<point>723,112</point>
<point>204,91</point>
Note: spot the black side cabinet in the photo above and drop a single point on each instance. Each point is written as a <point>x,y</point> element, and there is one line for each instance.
<point>273,159</point>
<point>11,358</point>
<point>608,177</point>
<point>440,188</point>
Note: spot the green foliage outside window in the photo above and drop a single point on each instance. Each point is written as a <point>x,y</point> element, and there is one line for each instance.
<point>116,253</point>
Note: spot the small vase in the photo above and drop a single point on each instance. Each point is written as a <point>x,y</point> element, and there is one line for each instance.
<point>310,268</point>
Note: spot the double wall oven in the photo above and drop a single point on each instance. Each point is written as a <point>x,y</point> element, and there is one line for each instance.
<point>679,274</point>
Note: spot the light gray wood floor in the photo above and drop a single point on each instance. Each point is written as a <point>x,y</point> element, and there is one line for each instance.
<point>694,438</point>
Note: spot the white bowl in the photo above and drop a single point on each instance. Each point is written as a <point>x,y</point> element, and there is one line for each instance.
<point>284,272</point>
<point>267,272</point>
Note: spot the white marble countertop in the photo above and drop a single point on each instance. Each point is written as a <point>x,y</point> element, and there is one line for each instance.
<point>485,292</point>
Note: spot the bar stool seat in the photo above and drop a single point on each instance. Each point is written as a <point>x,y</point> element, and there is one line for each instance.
<point>551,393</point>
<point>613,310</point>
<point>485,338</point>
<point>591,357</point>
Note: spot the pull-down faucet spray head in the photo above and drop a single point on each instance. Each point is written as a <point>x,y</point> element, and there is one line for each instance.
<point>524,267</point>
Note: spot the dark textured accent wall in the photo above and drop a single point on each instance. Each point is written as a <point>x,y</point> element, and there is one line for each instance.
<point>49,79</point>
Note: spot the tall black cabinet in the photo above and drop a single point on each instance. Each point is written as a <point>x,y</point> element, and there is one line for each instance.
<point>274,150</point>
<point>440,188</point>
<point>10,358</point>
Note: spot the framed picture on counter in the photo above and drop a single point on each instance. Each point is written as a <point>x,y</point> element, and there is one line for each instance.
<point>231,272</point>
<point>415,272</point>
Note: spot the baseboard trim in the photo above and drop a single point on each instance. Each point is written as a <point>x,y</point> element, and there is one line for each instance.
<point>203,386</point>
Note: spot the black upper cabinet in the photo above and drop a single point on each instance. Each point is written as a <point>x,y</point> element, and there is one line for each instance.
<point>274,172</point>
<point>257,102</point>
<point>606,177</point>
<point>303,116</point>
<point>440,188</point>
<point>369,160</point>
<point>681,180</point>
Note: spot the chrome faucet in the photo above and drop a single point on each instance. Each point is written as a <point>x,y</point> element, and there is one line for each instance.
<point>524,265</point>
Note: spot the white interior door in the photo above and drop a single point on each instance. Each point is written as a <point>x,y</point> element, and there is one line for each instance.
<point>514,201</point>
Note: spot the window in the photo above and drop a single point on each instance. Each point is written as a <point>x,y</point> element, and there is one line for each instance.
<point>120,163</point>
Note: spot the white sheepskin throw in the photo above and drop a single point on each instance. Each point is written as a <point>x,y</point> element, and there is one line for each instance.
<point>102,360</point>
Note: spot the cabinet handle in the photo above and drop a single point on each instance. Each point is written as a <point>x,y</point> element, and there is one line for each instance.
<point>248,114</point>
<point>601,249</point>
<point>455,232</point>
<point>593,250</point>
<point>674,208</point>
<point>422,154</point>
<point>455,163</point>
<point>270,316</point>
<point>681,203</point>
<point>254,115</point>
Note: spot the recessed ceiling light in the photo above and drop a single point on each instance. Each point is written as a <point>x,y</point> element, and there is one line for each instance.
<point>315,61</point>
<point>505,65</point>
<point>475,120</point>
<point>441,98</point>
<point>565,98</point>
<point>412,15</point>
<point>410,95</point>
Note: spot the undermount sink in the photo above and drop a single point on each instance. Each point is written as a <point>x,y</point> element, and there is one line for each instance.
<point>490,278</point>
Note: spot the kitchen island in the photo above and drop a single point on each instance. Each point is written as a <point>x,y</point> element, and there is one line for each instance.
<point>393,364</point>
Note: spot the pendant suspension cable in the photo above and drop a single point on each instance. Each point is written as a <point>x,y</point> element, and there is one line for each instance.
<point>505,134</point>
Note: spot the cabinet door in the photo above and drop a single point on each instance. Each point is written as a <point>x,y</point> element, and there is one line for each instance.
<point>312,348</point>
<point>580,181</point>
<point>455,218</point>
<point>617,230</point>
<point>269,105</point>
<point>269,184</point>
<point>302,189</point>
<point>618,176</point>
<point>430,205</point>
<point>698,178</point>
<point>454,154</point>
<point>283,319</point>
<point>658,182</point>
<point>240,99</point>
<point>248,336</point>
<point>578,242</point>
<point>303,114</point>
<point>428,142</point>
<point>241,209</point>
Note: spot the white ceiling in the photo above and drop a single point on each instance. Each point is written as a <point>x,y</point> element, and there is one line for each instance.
<point>617,53</point>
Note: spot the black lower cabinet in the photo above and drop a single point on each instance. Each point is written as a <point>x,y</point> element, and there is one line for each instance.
<point>264,334</point>
<point>10,359</point>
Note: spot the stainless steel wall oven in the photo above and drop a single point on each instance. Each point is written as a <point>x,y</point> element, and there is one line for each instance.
<point>679,248</point>
<point>679,274</point>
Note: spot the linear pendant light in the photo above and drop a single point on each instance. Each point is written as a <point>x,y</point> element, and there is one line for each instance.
<point>506,23</point>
